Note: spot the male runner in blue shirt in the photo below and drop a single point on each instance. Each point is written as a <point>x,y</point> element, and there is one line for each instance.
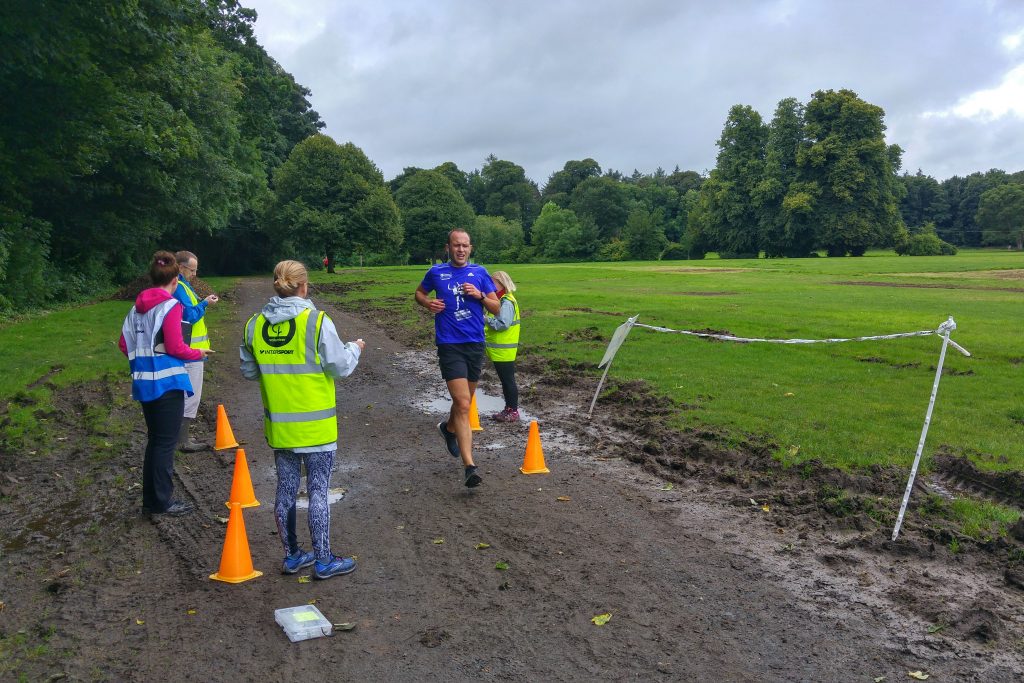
<point>462,291</point>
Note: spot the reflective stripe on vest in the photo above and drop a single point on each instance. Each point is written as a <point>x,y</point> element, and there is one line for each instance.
<point>299,406</point>
<point>502,346</point>
<point>154,373</point>
<point>200,336</point>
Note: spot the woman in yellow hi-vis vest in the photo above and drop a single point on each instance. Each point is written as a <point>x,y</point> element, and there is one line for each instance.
<point>501,341</point>
<point>295,352</point>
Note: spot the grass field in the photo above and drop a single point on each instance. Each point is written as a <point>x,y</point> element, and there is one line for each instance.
<point>850,404</point>
<point>57,349</point>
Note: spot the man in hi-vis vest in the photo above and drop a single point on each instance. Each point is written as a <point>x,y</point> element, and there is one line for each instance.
<point>196,336</point>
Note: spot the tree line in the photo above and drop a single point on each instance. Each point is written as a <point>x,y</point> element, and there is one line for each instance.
<point>816,178</point>
<point>134,124</point>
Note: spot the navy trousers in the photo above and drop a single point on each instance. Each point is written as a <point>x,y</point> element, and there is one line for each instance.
<point>163,420</point>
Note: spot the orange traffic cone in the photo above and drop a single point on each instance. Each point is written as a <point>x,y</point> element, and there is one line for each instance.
<point>474,416</point>
<point>236,560</point>
<point>225,437</point>
<point>533,461</point>
<point>241,485</point>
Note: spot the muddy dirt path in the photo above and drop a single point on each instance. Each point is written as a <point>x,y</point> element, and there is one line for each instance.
<point>700,583</point>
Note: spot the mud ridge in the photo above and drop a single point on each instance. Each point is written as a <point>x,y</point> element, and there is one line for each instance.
<point>1001,486</point>
<point>806,496</point>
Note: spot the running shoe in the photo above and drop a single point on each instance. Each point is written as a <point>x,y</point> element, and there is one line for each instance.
<point>450,440</point>
<point>336,567</point>
<point>472,478</point>
<point>507,415</point>
<point>300,560</point>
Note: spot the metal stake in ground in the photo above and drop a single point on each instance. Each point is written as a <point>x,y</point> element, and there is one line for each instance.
<point>613,346</point>
<point>944,329</point>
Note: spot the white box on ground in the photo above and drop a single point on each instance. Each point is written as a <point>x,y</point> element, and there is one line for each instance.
<point>303,622</point>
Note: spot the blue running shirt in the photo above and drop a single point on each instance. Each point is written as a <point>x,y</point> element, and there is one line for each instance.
<point>462,320</point>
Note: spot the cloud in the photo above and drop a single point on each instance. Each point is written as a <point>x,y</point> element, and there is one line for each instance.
<point>1012,41</point>
<point>944,147</point>
<point>1006,99</point>
<point>641,84</point>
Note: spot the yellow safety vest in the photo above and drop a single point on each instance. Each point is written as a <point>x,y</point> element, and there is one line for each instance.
<point>200,337</point>
<point>502,346</point>
<point>299,407</point>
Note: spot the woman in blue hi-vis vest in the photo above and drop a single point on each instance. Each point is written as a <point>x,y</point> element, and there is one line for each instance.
<point>151,338</point>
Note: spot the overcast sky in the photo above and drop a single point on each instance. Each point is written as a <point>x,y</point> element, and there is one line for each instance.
<point>641,84</point>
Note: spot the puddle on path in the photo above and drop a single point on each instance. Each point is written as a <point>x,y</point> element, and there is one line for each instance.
<point>486,405</point>
<point>434,400</point>
<point>333,496</point>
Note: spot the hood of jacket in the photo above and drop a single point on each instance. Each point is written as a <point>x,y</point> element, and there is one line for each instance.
<point>279,309</point>
<point>150,298</point>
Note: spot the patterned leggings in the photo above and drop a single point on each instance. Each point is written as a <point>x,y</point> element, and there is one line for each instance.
<point>318,477</point>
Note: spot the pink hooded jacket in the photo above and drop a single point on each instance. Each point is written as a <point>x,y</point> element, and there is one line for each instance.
<point>175,345</point>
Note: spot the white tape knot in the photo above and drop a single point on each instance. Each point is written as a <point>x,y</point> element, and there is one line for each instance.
<point>946,327</point>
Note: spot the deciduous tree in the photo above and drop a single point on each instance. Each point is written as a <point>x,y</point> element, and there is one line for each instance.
<point>963,195</point>
<point>501,188</point>
<point>644,234</point>
<point>784,230</point>
<point>497,240</point>
<point>604,202</point>
<point>561,184</point>
<point>731,222</point>
<point>1001,215</point>
<point>431,207</point>
<point>848,174</point>
<point>330,199</point>
<point>559,235</point>
<point>924,201</point>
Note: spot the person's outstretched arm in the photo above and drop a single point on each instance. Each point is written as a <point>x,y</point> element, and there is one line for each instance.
<point>189,313</point>
<point>337,358</point>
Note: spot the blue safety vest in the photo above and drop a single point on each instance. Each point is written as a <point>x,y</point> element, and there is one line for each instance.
<point>154,372</point>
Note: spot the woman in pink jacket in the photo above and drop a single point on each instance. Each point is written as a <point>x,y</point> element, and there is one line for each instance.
<point>151,338</point>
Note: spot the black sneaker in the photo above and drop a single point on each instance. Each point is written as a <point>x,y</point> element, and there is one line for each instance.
<point>450,439</point>
<point>472,478</point>
<point>176,509</point>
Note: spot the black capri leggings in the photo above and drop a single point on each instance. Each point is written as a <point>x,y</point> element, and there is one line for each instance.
<point>507,374</point>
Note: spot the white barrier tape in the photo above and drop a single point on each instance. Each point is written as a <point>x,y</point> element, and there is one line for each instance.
<point>943,330</point>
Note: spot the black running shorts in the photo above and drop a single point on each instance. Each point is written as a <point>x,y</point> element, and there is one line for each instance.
<point>461,361</point>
